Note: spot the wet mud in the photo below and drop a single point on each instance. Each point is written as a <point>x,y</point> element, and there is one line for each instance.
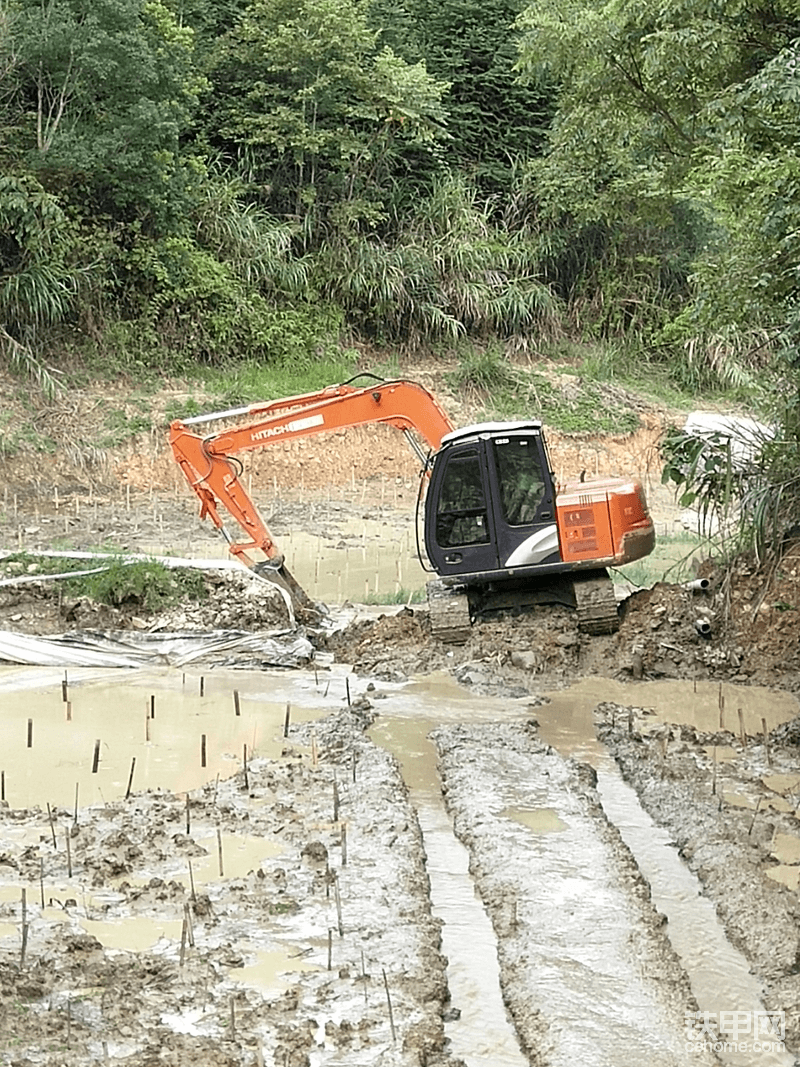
<point>278,916</point>
<point>579,941</point>
<point>149,953</point>
<point>729,801</point>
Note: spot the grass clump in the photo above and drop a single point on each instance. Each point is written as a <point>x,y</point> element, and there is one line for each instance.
<point>148,585</point>
<point>510,392</point>
<point>672,560</point>
<point>143,585</point>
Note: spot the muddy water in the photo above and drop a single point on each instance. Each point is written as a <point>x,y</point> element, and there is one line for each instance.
<point>113,707</point>
<point>370,558</point>
<point>719,974</point>
<point>116,711</point>
<point>566,722</point>
<point>482,1035</point>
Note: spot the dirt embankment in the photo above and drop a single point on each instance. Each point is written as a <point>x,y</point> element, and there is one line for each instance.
<point>744,629</point>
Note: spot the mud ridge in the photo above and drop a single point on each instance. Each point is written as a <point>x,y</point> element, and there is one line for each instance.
<point>587,971</point>
<point>725,805</point>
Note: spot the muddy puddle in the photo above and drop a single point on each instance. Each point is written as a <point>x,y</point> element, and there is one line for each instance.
<point>156,730</point>
<point>366,558</point>
<point>566,720</point>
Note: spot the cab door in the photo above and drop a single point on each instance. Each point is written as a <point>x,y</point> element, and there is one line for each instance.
<point>524,500</point>
<point>459,523</point>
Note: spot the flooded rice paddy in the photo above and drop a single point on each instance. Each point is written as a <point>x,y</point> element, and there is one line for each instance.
<point>166,730</point>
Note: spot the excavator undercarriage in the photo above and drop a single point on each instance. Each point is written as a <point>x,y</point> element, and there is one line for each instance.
<point>454,606</point>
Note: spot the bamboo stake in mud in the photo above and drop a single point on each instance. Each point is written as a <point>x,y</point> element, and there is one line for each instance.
<point>286,719</point>
<point>314,753</point>
<point>338,897</point>
<point>52,824</point>
<point>753,820</point>
<point>68,710</point>
<point>69,853</point>
<point>766,742</point>
<point>347,687</point>
<point>714,774</point>
<point>41,880</point>
<point>183,942</point>
<point>344,845</point>
<point>353,762</point>
<point>742,734</point>
<point>30,733</point>
<point>721,702</point>
<point>130,776</point>
<point>24,927</point>
<point>202,750</point>
<point>2,785</point>
<point>96,757</point>
<point>64,691</point>
<point>188,816</point>
<point>330,946</point>
<point>202,684</point>
<point>191,881</point>
<point>152,705</point>
<point>236,705</point>
<point>146,727</point>
<point>219,851</point>
<point>389,1005</point>
<point>75,817</point>
<point>244,768</point>
<point>189,924</point>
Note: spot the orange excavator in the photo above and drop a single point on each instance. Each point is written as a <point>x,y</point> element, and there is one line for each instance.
<point>498,531</point>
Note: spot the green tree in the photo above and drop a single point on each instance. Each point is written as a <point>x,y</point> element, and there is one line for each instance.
<point>98,98</point>
<point>675,142</point>
<point>314,108</point>
<point>494,120</point>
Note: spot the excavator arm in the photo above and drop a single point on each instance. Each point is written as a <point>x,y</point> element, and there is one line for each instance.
<point>211,468</point>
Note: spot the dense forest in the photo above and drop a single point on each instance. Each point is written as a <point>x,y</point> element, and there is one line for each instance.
<point>191,181</point>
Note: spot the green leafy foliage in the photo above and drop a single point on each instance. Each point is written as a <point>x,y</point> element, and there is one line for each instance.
<point>752,499</point>
<point>147,585</point>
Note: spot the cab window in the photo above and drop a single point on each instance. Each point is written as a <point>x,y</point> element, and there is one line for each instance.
<point>522,484</point>
<point>461,508</point>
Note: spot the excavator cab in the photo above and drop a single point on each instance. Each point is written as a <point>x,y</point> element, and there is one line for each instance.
<point>491,501</point>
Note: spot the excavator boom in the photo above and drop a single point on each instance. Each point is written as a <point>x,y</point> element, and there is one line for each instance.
<point>209,465</point>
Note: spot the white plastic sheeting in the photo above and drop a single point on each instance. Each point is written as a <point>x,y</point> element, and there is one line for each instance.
<point>122,648</point>
<point>747,437</point>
